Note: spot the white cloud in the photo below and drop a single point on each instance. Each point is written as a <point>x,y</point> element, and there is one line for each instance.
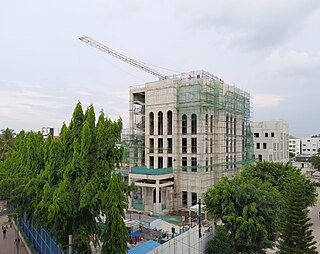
<point>252,24</point>
<point>267,100</point>
<point>292,62</point>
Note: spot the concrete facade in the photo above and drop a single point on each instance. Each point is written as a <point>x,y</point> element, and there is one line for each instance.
<point>310,146</point>
<point>271,140</point>
<point>295,146</point>
<point>186,132</point>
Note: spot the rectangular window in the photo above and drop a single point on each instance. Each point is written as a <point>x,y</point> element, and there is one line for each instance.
<point>160,162</point>
<point>160,145</point>
<point>211,163</point>
<point>266,134</point>
<point>272,134</point>
<point>169,145</point>
<point>193,198</point>
<point>260,157</point>
<point>184,198</point>
<point>258,145</point>
<point>151,141</point>
<point>227,145</point>
<point>227,162</point>
<point>194,145</point>
<point>151,158</point>
<point>256,135</point>
<point>207,168</point>
<point>169,164</point>
<point>194,164</point>
<point>184,145</point>
<point>211,145</point>
<point>264,145</point>
<point>207,142</point>
<point>184,163</point>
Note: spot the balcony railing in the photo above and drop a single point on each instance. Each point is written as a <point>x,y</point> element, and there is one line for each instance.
<point>138,205</point>
<point>151,171</point>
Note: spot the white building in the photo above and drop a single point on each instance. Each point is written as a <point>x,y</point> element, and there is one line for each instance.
<point>186,132</point>
<point>294,146</point>
<point>310,146</point>
<point>271,140</point>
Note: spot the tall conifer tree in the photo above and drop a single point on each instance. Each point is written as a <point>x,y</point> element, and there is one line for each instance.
<point>295,234</point>
<point>115,234</point>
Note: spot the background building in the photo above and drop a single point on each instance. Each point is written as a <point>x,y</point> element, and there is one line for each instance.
<point>294,146</point>
<point>271,140</point>
<point>186,132</point>
<point>310,146</point>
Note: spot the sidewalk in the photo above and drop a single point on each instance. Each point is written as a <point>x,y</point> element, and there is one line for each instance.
<point>7,245</point>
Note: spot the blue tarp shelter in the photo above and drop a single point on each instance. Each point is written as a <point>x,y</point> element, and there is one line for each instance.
<point>144,247</point>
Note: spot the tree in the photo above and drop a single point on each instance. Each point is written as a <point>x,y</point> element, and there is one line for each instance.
<point>221,242</point>
<point>279,174</point>
<point>6,142</point>
<point>292,155</point>
<point>61,183</point>
<point>115,234</point>
<point>248,209</point>
<point>295,234</point>
<point>315,160</point>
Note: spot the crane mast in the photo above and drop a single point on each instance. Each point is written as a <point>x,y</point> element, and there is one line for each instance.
<point>122,57</point>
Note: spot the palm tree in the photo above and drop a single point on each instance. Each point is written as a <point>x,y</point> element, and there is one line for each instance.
<point>6,142</point>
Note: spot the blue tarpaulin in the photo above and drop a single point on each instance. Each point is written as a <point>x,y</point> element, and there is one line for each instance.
<point>144,248</point>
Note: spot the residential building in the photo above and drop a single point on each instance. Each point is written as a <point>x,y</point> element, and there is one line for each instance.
<point>46,131</point>
<point>271,141</point>
<point>186,132</point>
<point>294,146</point>
<point>310,146</point>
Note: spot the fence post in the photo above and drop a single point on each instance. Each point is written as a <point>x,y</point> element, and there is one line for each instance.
<point>70,244</point>
<point>199,216</point>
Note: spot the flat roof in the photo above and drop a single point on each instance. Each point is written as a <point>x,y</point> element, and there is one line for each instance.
<point>144,248</point>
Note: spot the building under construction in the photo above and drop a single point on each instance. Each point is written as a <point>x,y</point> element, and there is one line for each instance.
<point>186,132</point>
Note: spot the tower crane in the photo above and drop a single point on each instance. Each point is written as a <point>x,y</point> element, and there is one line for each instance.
<point>120,56</point>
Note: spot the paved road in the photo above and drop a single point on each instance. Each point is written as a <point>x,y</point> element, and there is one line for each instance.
<point>8,245</point>
<point>315,220</point>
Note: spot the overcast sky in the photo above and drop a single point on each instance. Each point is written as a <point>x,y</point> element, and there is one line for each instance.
<point>269,48</point>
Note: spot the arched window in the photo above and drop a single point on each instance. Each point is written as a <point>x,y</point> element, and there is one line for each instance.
<point>184,124</point>
<point>169,122</point>
<point>160,123</point>
<point>193,124</point>
<point>151,123</point>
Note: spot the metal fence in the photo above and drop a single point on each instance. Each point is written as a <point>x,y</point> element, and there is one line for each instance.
<point>186,243</point>
<point>40,241</point>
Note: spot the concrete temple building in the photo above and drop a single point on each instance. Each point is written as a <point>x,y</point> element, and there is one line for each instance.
<point>186,132</point>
